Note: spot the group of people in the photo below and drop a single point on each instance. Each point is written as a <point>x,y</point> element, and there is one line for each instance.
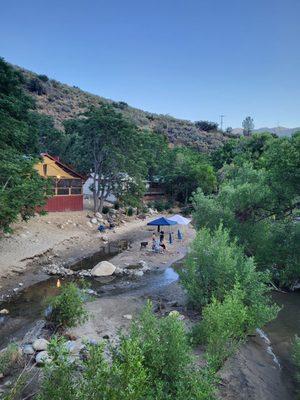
<point>158,244</point>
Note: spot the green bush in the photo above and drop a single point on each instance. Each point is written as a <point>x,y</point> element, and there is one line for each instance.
<point>130,211</point>
<point>68,307</point>
<point>215,264</point>
<point>159,205</point>
<point>153,362</point>
<point>9,358</point>
<point>224,325</point>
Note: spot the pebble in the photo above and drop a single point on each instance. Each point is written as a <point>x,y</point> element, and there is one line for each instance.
<point>4,311</point>
<point>127,316</point>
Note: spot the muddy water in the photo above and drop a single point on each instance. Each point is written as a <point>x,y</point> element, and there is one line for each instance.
<point>281,333</point>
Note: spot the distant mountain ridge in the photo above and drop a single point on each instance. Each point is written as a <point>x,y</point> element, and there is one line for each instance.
<point>279,131</point>
<point>63,102</point>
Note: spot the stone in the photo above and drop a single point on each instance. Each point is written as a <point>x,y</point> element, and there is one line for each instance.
<point>42,358</point>
<point>28,349</point>
<point>94,221</point>
<point>99,216</point>
<point>138,274</point>
<point>4,311</point>
<point>74,347</point>
<point>40,344</point>
<point>104,268</point>
<point>127,316</point>
<point>177,315</point>
<point>89,224</point>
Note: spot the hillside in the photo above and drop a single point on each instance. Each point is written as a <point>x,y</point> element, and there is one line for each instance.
<point>64,102</point>
<point>279,131</point>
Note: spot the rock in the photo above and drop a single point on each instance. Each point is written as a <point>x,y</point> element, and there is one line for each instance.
<point>1,375</point>
<point>127,316</point>
<point>137,273</point>
<point>177,315</point>
<point>4,311</point>
<point>28,349</point>
<point>104,268</point>
<point>99,216</point>
<point>89,224</point>
<point>21,284</point>
<point>94,221</point>
<point>40,344</point>
<point>119,271</point>
<point>42,357</point>
<point>74,347</point>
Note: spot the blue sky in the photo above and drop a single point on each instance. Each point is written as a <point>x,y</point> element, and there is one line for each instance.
<point>193,59</point>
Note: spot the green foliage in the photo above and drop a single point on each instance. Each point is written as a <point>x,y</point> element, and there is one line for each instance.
<point>105,210</point>
<point>153,362</point>
<point>107,144</point>
<point>185,171</point>
<point>22,190</point>
<point>59,380</point>
<point>36,85</point>
<point>9,358</point>
<point>207,126</point>
<point>257,200</point>
<point>248,125</point>
<point>68,307</point>
<point>159,205</point>
<point>130,211</point>
<point>215,264</point>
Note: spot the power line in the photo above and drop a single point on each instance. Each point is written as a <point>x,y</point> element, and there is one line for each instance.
<point>221,121</point>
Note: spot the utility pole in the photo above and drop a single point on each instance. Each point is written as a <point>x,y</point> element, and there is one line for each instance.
<point>221,121</point>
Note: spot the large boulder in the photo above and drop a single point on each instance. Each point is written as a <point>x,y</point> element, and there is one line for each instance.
<point>104,268</point>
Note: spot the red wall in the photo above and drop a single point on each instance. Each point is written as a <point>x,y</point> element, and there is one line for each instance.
<point>65,203</point>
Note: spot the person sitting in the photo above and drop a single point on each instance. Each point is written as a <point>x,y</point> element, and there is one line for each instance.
<point>162,244</point>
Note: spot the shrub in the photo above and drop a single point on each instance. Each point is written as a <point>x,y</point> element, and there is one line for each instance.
<point>105,210</point>
<point>130,211</point>
<point>43,78</point>
<point>9,357</point>
<point>68,307</point>
<point>224,326</point>
<point>36,86</point>
<point>153,362</point>
<point>215,264</point>
<point>117,206</point>
<point>159,205</point>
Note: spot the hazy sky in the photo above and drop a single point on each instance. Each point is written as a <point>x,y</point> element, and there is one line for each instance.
<point>194,59</point>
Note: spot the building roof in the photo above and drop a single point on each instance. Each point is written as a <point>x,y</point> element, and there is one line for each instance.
<point>56,168</point>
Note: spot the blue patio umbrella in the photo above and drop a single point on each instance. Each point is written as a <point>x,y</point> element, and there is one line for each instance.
<point>162,221</point>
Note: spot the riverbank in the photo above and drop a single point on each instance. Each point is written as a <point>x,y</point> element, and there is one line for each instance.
<point>60,238</point>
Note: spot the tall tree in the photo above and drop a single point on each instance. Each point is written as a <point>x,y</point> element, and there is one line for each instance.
<point>248,125</point>
<point>107,147</point>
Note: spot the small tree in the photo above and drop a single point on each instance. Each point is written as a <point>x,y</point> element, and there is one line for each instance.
<point>68,307</point>
<point>248,126</point>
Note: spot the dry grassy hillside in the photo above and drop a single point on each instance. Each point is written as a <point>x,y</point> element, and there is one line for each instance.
<point>64,102</point>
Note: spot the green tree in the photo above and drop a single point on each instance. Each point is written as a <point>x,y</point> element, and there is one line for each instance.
<point>185,171</point>
<point>248,126</point>
<point>22,190</point>
<point>108,147</point>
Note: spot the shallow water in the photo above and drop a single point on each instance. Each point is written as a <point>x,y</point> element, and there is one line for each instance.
<point>29,304</point>
<point>281,333</point>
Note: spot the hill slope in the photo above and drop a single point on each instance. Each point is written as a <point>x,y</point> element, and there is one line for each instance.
<point>64,102</point>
